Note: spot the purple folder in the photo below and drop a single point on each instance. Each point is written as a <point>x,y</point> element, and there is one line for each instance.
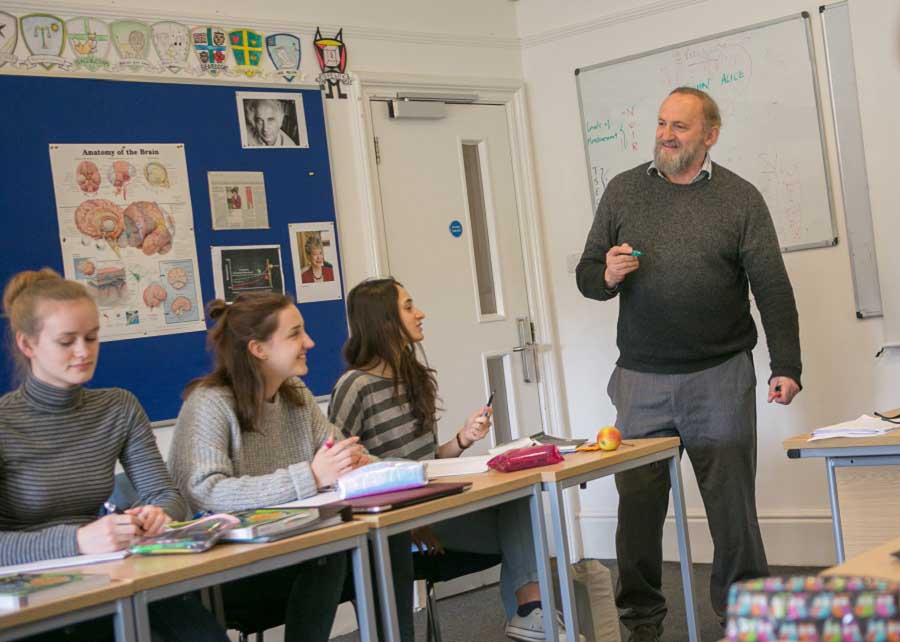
<point>403,498</point>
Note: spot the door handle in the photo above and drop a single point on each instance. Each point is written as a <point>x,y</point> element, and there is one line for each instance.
<point>526,349</point>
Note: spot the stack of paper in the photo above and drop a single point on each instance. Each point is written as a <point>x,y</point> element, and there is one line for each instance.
<point>62,562</point>
<point>863,426</point>
<point>451,466</point>
<point>522,442</point>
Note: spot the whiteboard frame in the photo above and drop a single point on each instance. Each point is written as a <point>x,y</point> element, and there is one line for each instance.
<point>803,15</point>
<point>857,216</point>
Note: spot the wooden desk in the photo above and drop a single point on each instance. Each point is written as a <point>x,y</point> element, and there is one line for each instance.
<point>488,489</point>
<point>867,482</point>
<point>156,577</point>
<point>580,468</point>
<point>877,562</point>
<point>113,599</point>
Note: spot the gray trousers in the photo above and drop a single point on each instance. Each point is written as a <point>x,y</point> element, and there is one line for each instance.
<point>713,412</point>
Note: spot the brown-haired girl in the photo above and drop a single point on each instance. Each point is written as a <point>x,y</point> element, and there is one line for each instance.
<point>388,397</point>
<point>250,434</point>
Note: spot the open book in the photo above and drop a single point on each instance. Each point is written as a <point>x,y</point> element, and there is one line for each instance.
<point>863,426</point>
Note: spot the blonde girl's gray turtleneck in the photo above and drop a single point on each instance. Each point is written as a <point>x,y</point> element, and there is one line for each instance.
<point>58,453</point>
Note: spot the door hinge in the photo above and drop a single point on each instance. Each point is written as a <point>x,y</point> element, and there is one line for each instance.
<point>377,152</point>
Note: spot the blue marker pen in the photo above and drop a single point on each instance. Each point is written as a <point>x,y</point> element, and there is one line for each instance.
<point>636,253</point>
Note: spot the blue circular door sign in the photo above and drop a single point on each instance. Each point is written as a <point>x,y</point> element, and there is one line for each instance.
<point>456,228</point>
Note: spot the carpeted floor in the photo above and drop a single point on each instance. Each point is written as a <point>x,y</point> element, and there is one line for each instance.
<point>477,616</point>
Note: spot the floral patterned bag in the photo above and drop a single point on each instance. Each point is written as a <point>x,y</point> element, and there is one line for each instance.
<point>814,609</point>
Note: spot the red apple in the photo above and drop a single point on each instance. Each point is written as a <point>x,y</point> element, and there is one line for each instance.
<point>609,438</point>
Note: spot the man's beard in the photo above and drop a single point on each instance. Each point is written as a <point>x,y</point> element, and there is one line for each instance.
<point>678,163</point>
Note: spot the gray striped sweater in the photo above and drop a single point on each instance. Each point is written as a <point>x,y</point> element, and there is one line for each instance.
<point>364,405</point>
<point>58,452</point>
<point>220,468</point>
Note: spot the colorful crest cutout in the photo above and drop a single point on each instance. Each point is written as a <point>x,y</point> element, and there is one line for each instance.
<point>89,39</point>
<point>9,37</point>
<point>210,45</point>
<point>45,39</point>
<point>132,42</point>
<point>172,41</point>
<point>284,52</point>
<point>332,56</point>
<point>246,45</point>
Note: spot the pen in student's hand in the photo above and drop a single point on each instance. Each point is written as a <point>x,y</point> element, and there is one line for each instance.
<point>110,509</point>
<point>636,253</point>
<point>490,402</point>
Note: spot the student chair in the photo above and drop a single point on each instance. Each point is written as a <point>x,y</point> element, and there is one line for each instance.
<point>442,568</point>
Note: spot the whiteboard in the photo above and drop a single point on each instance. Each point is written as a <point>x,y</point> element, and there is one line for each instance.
<point>762,78</point>
<point>851,159</point>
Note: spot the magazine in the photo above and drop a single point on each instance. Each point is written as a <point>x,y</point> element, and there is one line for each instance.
<point>29,589</point>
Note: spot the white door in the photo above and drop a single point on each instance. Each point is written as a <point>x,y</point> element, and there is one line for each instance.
<point>451,225</point>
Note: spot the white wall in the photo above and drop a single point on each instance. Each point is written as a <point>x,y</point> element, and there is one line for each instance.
<point>841,377</point>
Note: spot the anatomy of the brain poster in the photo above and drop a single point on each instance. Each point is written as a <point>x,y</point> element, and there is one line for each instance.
<point>127,232</point>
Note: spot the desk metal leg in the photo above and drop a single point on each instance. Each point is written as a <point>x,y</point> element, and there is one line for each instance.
<point>835,509</point>
<point>385,578</point>
<point>684,549</point>
<point>123,622</point>
<point>542,557</point>
<point>141,617</point>
<point>362,582</point>
<point>566,585</point>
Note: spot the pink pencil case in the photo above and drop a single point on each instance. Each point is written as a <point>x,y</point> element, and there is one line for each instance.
<point>522,458</point>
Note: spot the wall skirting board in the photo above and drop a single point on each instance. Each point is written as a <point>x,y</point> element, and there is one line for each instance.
<point>799,538</point>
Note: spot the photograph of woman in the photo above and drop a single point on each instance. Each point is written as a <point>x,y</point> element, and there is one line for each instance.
<point>317,268</point>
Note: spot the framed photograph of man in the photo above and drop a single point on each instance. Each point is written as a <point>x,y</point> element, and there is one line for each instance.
<point>271,119</point>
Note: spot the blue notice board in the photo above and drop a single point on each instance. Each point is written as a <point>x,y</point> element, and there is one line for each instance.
<point>39,111</point>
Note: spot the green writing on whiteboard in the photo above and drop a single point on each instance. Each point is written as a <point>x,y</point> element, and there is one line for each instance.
<point>593,140</point>
<point>732,76</point>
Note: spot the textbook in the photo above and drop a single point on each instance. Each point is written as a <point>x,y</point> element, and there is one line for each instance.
<point>259,525</point>
<point>268,522</point>
<point>195,536</point>
<point>29,589</point>
<point>325,516</point>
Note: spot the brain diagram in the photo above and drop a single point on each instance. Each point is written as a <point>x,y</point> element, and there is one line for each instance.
<point>180,306</point>
<point>120,174</point>
<point>143,224</point>
<point>109,286</point>
<point>154,295</point>
<point>87,176</point>
<point>177,277</point>
<point>156,174</point>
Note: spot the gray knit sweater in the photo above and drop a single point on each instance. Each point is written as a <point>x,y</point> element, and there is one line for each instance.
<point>58,452</point>
<point>220,468</point>
<point>687,307</point>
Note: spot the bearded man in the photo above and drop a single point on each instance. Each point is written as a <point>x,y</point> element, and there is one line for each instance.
<point>681,241</point>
